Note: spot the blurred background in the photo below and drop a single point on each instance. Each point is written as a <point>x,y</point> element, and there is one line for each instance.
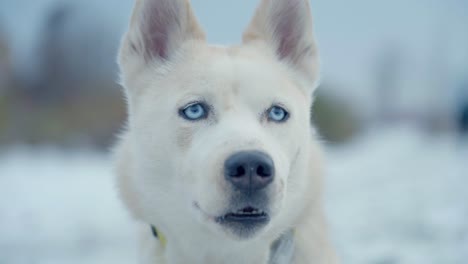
<point>392,111</point>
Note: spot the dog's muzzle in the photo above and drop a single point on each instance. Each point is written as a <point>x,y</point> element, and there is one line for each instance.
<point>249,173</point>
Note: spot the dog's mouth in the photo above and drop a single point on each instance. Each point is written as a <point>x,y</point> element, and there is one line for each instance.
<point>247,214</point>
<point>243,223</point>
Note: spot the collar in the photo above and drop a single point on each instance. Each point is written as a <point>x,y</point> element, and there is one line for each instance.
<point>158,235</point>
<point>281,251</point>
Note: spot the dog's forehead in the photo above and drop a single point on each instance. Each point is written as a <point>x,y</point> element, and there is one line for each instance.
<point>236,68</point>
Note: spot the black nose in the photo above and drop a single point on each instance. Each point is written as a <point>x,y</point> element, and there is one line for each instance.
<point>249,170</point>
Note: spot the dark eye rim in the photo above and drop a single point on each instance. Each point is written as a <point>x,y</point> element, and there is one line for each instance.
<point>287,115</point>
<point>205,106</point>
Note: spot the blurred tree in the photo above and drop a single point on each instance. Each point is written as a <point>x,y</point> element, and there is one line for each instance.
<point>78,51</point>
<point>51,87</point>
<point>386,67</point>
<point>462,108</point>
<point>76,100</point>
<point>5,65</point>
<point>335,120</point>
<point>5,84</point>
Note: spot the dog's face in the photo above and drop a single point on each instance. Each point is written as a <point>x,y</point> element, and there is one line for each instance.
<point>218,135</point>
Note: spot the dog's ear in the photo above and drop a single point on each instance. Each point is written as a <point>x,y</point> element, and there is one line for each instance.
<point>286,26</point>
<point>157,29</point>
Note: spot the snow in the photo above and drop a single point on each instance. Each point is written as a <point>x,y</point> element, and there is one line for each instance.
<point>61,207</point>
<point>393,196</point>
<point>400,196</point>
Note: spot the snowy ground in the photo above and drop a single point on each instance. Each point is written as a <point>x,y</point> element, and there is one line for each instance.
<point>394,196</point>
<point>400,197</point>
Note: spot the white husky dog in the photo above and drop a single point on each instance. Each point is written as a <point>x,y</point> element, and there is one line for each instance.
<point>219,161</point>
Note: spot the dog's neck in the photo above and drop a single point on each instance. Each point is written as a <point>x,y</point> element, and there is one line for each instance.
<point>279,252</point>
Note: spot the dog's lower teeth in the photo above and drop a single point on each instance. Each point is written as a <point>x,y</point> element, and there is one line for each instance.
<point>249,213</point>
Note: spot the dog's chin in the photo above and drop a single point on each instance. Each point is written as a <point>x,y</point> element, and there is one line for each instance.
<point>240,224</point>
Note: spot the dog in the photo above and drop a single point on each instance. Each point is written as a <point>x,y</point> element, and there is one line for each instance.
<point>219,162</point>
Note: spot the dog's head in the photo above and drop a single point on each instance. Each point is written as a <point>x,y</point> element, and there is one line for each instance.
<point>218,136</point>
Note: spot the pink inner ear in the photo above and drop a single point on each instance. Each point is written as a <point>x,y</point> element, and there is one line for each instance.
<point>160,22</point>
<point>289,28</point>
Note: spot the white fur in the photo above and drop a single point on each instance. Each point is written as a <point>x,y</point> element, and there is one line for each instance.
<point>170,170</point>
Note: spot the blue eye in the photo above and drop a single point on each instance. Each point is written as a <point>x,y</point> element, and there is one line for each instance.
<point>277,114</point>
<point>195,111</point>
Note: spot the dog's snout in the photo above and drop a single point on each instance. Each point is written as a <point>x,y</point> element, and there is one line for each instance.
<point>249,170</point>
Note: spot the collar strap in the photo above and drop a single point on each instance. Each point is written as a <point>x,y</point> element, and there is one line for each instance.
<point>158,235</point>
<point>282,250</point>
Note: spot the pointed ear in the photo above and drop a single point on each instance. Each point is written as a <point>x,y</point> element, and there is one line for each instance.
<point>286,26</point>
<point>158,28</point>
